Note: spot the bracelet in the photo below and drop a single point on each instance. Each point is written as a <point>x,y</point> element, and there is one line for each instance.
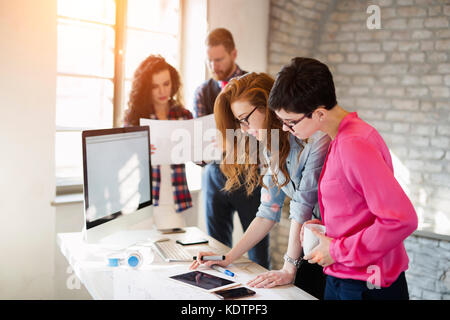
<point>296,263</point>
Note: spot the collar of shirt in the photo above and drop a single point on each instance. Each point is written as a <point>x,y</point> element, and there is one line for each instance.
<point>171,115</point>
<point>344,122</point>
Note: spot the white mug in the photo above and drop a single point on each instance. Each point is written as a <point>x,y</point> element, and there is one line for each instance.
<point>310,241</point>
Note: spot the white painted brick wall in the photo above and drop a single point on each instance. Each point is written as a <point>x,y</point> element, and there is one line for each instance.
<point>428,275</point>
<point>397,79</point>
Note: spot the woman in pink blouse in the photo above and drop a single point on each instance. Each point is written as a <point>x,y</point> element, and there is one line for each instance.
<point>366,213</point>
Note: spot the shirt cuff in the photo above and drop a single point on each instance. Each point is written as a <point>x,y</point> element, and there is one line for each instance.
<point>333,250</point>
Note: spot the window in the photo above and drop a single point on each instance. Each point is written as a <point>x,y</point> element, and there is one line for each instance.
<point>100,44</point>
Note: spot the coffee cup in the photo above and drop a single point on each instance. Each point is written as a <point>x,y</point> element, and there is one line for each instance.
<point>310,241</point>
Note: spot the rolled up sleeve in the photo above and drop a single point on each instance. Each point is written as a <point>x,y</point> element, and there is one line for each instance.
<point>272,200</point>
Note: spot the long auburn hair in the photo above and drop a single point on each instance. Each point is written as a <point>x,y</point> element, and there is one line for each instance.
<point>254,88</point>
<point>140,104</point>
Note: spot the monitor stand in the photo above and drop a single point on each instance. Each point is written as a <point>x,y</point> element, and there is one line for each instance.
<point>165,219</point>
<point>122,232</point>
<point>124,239</point>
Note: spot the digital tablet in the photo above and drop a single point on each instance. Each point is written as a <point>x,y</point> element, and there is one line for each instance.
<point>204,281</point>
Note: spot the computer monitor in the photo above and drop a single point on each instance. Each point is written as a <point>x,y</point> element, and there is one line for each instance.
<point>117,183</point>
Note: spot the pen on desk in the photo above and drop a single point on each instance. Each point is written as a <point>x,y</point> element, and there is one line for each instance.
<point>210,258</point>
<point>223,270</point>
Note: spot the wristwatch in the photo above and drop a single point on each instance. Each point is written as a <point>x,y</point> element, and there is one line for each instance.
<point>296,263</point>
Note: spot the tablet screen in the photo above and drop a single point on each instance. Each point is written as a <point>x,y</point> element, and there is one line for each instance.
<point>202,280</point>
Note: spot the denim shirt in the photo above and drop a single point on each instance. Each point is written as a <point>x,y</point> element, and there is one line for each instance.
<point>303,187</point>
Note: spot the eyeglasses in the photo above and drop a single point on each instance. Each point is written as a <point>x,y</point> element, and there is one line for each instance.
<point>244,121</point>
<point>292,123</point>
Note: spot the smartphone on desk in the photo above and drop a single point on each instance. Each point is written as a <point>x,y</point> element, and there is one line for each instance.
<point>172,230</point>
<point>234,293</point>
<point>186,242</point>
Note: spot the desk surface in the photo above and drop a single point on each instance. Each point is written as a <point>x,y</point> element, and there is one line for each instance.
<point>151,280</point>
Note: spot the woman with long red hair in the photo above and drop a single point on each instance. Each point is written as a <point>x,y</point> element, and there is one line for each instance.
<point>294,167</point>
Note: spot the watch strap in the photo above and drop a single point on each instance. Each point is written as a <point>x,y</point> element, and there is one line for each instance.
<point>296,263</point>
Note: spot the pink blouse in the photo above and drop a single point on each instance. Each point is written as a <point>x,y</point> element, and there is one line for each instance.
<point>363,207</point>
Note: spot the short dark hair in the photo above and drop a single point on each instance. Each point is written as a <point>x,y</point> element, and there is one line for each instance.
<point>302,86</point>
<point>220,36</point>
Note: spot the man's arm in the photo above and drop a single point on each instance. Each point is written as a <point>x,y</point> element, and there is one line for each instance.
<point>199,102</point>
<point>200,109</point>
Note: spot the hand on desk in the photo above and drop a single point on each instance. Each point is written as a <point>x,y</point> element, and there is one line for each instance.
<point>268,279</point>
<point>273,278</point>
<point>199,261</point>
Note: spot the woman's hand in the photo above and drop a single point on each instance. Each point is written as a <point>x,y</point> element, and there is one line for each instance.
<point>199,261</point>
<point>315,221</point>
<point>321,254</point>
<point>272,278</point>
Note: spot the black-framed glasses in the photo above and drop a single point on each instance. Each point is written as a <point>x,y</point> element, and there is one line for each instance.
<point>244,121</point>
<point>292,123</point>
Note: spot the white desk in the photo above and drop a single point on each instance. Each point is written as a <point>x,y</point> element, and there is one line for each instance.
<point>151,281</point>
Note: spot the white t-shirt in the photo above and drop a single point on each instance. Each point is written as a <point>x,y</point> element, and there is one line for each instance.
<point>164,214</point>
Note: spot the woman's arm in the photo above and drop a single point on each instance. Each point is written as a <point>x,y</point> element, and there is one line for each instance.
<point>286,275</point>
<point>306,194</point>
<point>268,214</point>
<point>255,232</point>
<point>301,207</point>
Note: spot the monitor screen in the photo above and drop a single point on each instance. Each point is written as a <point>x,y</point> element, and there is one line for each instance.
<point>117,174</point>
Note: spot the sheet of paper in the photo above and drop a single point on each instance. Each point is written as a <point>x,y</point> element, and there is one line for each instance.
<point>181,141</point>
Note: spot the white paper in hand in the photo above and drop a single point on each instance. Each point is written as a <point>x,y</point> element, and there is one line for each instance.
<point>181,141</point>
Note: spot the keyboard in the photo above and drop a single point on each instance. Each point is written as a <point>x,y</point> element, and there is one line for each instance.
<point>171,251</point>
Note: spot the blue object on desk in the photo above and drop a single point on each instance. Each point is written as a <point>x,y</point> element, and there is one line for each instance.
<point>132,259</point>
<point>113,262</point>
<point>223,270</point>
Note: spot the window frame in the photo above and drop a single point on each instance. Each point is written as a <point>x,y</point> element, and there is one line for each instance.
<point>119,77</point>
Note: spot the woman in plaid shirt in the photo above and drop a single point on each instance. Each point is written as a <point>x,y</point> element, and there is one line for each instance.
<point>156,94</point>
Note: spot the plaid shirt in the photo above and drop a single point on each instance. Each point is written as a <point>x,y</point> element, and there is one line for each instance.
<point>181,194</point>
<point>207,92</point>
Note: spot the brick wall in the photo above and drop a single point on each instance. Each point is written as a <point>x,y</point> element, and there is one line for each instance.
<point>295,28</point>
<point>428,275</point>
<point>397,78</point>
